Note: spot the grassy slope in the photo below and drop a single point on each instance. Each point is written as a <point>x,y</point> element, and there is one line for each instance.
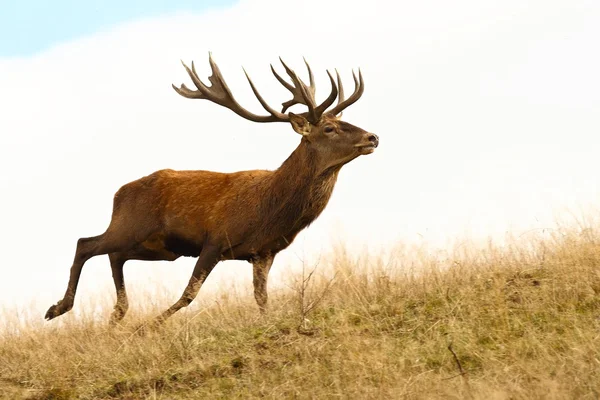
<point>523,321</point>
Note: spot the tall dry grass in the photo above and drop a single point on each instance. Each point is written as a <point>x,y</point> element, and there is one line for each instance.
<point>517,321</point>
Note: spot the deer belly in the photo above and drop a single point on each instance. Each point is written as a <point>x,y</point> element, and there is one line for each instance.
<point>248,251</point>
<point>182,246</point>
<point>174,245</point>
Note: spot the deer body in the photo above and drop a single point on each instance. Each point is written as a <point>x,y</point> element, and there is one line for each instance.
<point>246,215</point>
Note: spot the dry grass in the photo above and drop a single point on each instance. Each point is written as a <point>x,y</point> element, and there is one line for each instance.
<point>522,319</point>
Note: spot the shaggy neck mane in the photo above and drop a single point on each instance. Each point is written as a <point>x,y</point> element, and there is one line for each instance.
<point>297,193</point>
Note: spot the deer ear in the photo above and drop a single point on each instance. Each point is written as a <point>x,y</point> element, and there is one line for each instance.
<point>300,124</point>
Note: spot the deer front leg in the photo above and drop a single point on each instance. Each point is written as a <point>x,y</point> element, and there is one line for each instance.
<point>261,267</point>
<point>209,257</point>
<point>117,260</point>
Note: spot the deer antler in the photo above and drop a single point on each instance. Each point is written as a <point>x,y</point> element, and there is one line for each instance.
<point>218,92</point>
<point>302,94</point>
<point>359,88</point>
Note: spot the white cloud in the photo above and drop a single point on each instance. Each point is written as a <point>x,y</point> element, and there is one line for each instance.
<point>487,114</point>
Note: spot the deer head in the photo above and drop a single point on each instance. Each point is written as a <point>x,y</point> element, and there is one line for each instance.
<point>333,141</point>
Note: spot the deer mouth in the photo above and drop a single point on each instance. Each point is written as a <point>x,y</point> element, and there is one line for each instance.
<point>366,148</point>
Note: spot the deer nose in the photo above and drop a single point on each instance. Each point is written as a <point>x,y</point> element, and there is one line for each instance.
<point>373,138</point>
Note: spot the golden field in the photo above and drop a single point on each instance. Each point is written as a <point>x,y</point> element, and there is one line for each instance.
<point>519,320</point>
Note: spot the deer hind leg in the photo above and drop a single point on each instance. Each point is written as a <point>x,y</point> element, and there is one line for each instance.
<point>87,248</point>
<point>209,257</point>
<point>117,261</point>
<point>261,267</point>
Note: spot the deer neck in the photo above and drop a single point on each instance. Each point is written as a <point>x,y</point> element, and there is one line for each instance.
<point>299,190</point>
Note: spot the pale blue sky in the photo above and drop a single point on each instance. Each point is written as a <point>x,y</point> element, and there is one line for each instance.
<point>30,26</point>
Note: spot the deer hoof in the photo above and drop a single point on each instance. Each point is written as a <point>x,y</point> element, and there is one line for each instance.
<point>56,310</point>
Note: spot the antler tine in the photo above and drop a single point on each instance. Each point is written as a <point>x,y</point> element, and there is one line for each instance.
<point>341,91</point>
<point>216,79</point>
<point>330,99</point>
<point>185,91</point>
<point>301,93</point>
<point>197,81</point>
<point>359,88</point>
<point>311,78</point>
<point>262,100</point>
<point>308,92</point>
<point>282,81</point>
<point>219,93</point>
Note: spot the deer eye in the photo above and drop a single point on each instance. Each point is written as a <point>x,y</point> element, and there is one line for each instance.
<point>328,129</point>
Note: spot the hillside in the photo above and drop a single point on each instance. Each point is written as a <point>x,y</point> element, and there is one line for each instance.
<point>518,321</point>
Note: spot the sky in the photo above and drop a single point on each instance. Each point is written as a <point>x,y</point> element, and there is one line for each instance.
<point>487,114</point>
<point>31,26</point>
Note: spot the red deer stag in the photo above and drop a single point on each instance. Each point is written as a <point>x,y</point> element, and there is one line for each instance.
<point>247,215</point>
